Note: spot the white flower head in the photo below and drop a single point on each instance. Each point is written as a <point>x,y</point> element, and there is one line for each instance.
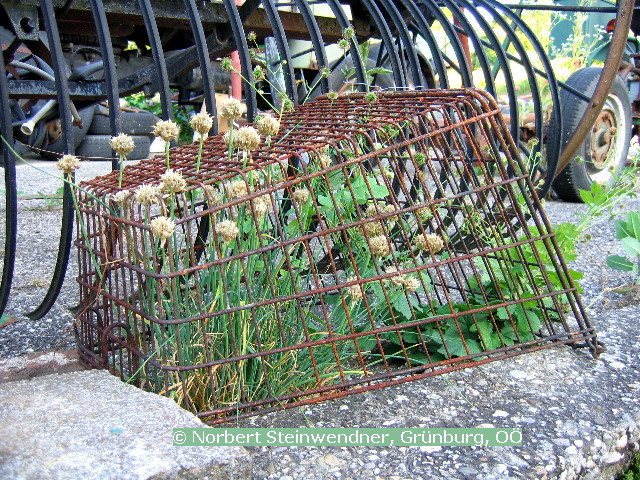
<point>123,144</point>
<point>166,130</point>
<point>68,163</point>
<point>172,182</point>
<point>201,123</point>
<point>147,194</point>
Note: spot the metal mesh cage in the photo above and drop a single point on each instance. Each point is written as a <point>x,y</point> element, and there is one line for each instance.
<point>375,239</point>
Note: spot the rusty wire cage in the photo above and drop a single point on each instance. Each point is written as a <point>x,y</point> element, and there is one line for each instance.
<point>375,239</point>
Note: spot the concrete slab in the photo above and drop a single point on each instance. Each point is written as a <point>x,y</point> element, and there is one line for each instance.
<point>89,425</point>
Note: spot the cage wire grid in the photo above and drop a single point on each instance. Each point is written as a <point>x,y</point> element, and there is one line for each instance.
<point>374,240</point>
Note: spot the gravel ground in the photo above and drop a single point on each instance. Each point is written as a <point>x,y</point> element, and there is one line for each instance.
<point>580,417</point>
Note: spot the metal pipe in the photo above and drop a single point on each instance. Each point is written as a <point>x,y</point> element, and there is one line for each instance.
<point>28,125</point>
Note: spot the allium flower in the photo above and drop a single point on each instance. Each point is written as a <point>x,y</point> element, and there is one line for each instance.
<point>424,213</point>
<point>226,138</point>
<point>325,72</point>
<point>147,194</point>
<point>261,206</point>
<point>343,44</point>
<point>237,189</point>
<point>68,163</point>
<point>420,158</point>
<point>396,280</point>
<point>258,73</point>
<point>162,228</point>
<point>201,123</point>
<point>228,230</point>
<point>231,109</point>
<point>121,197</point>
<point>325,161</point>
<point>380,246</point>
<point>349,32</point>
<point>430,242</point>
<point>373,229</point>
<point>166,130</point>
<point>411,284</point>
<point>214,197</point>
<point>123,144</point>
<point>301,195</point>
<point>332,95</point>
<point>226,64</point>
<point>287,105</point>
<point>251,37</point>
<point>172,182</point>
<point>354,291</point>
<point>246,139</point>
<point>370,97</point>
<point>267,125</point>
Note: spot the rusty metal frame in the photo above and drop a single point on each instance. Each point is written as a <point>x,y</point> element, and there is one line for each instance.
<point>446,153</point>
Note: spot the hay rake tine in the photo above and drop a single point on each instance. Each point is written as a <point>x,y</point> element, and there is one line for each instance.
<point>341,16</point>
<point>205,62</point>
<point>427,34</point>
<point>11,195</point>
<point>240,41</point>
<point>283,50</point>
<point>64,106</point>
<point>316,40</point>
<point>113,97</point>
<point>158,58</point>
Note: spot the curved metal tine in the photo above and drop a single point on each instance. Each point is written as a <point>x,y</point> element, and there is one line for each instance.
<point>283,49</point>
<point>407,42</point>
<point>477,45</point>
<point>110,75</point>
<point>11,195</point>
<point>343,20</point>
<point>158,58</point>
<point>203,55</point>
<point>240,40</point>
<point>452,36</point>
<point>387,42</point>
<point>316,40</point>
<point>64,103</point>
<point>552,151</point>
<point>425,31</point>
<point>502,60</point>
<point>525,61</point>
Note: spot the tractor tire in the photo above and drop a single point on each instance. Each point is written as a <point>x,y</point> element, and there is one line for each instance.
<point>605,149</point>
<point>133,123</point>
<point>99,147</point>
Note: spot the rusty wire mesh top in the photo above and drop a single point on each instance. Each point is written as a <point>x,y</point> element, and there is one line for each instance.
<point>324,122</point>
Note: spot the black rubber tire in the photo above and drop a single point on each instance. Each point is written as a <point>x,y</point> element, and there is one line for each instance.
<point>99,146</point>
<point>55,150</point>
<point>133,123</point>
<point>580,175</point>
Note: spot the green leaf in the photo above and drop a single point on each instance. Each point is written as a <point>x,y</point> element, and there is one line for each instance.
<point>631,246</point>
<point>378,71</point>
<point>623,230</point>
<point>528,321</point>
<point>325,201</point>
<point>400,303</point>
<point>619,263</point>
<point>633,223</point>
<point>455,345</point>
<point>488,336</point>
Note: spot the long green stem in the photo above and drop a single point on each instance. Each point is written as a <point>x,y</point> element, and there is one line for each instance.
<point>121,167</point>
<point>199,153</point>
